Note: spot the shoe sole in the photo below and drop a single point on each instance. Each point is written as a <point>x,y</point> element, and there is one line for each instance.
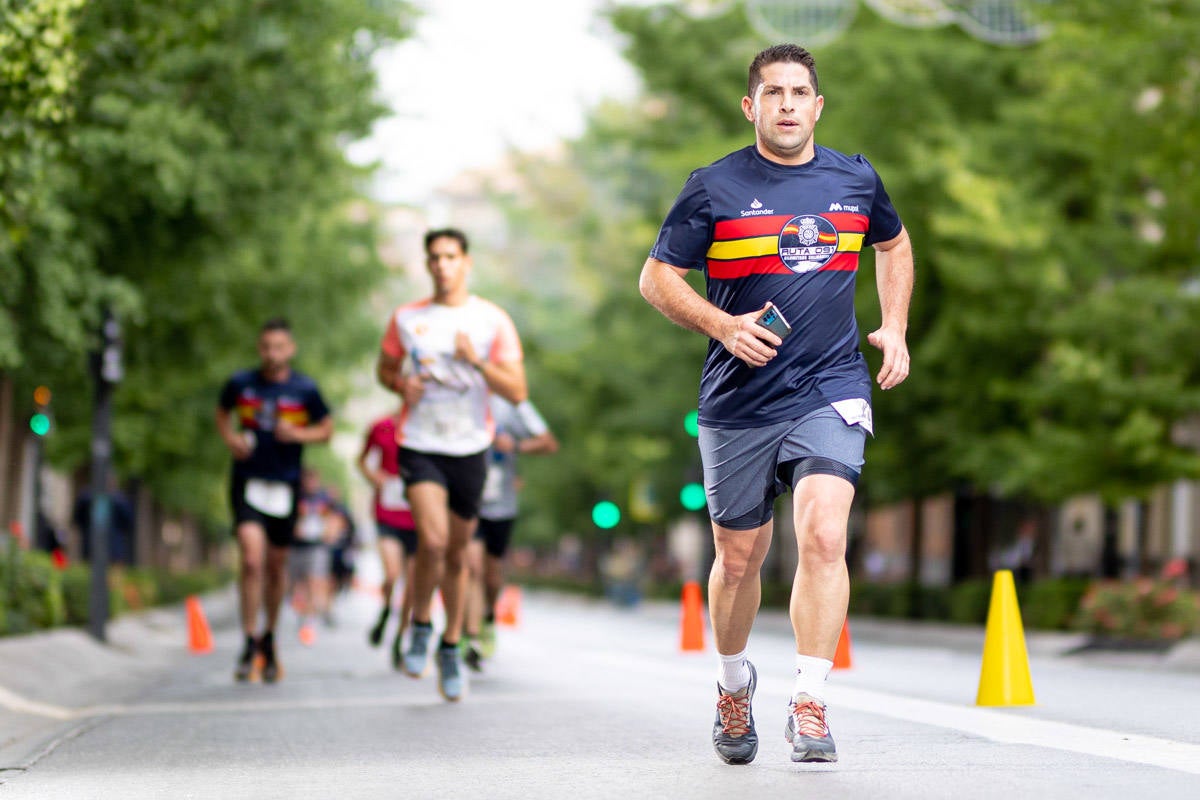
<point>810,756</point>
<point>278,677</point>
<point>424,671</point>
<point>450,699</point>
<point>738,761</point>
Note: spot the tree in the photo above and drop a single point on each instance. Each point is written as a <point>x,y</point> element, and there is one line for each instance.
<point>205,187</point>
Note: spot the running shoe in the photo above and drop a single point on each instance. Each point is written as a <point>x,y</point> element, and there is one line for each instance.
<point>451,681</point>
<point>376,634</point>
<point>247,663</point>
<point>487,639</point>
<point>271,671</point>
<point>734,737</point>
<point>808,732</point>
<point>471,655</point>
<point>308,635</point>
<point>416,660</point>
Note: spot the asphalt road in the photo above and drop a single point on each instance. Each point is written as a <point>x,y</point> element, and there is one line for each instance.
<point>585,701</point>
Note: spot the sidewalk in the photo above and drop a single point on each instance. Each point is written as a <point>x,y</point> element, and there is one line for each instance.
<point>50,680</point>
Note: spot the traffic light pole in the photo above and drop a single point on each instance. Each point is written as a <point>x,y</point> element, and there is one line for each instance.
<point>107,372</point>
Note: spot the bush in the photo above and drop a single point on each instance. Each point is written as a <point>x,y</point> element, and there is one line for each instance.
<point>37,595</point>
<point>1144,609</point>
<point>1051,604</point>
<point>969,601</point>
<point>32,589</point>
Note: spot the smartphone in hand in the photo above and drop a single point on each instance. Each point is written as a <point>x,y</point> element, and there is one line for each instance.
<point>772,319</point>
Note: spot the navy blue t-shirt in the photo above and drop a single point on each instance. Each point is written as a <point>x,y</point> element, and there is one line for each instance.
<point>789,234</point>
<point>257,404</point>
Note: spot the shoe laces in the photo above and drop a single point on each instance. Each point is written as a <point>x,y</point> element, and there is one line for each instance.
<point>734,710</point>
<point>808,718</point>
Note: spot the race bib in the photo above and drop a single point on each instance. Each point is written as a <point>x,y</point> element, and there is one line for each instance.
<point>273,498</point>
<point>311,528</point>
<point>391,495</point>
<point>855,412</point>
<point>493,485</point>
<point>448,417</point>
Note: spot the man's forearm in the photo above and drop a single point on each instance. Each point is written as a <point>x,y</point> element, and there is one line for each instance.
<point>894,282</point>
<point>668,292</point>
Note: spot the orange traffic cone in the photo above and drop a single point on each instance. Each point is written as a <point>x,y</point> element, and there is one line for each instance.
<point>841,658</point>
<point>692,624</point>
<point>199,634</point>
<point>508,606</point>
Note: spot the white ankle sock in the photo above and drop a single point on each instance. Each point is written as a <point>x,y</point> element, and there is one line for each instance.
<point>811,673</point>
<point>734,673</point>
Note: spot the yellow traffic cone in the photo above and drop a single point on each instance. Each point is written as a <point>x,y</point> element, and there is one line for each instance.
<point>1004,678</point>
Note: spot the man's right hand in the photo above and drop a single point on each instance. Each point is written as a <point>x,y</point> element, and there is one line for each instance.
<point>745,339</point>
<point>411,388</point>
<point>240,448</point>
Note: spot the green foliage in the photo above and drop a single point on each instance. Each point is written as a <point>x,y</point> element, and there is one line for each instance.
<point>1051,195</point>
<point>1142,609</point>
<point>32,592</point>
<point>45,597</point>
<point>199,188</point>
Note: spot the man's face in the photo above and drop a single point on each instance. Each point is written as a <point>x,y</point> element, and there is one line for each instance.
<point>448,265</point>
<point>275,349</point>
<point>784,110</point>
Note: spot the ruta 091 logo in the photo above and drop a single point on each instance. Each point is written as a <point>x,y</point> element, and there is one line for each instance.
<point>807,242</point>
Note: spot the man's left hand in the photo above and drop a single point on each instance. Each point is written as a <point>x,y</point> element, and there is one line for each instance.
<point>895,356</point>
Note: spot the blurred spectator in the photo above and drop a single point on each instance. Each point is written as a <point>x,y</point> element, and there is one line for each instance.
<point>120,526</point>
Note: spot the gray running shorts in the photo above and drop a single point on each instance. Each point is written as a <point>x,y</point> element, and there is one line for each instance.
<point>745,469</point>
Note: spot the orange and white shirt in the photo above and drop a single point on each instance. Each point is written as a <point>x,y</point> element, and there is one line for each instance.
<point>452,417</point>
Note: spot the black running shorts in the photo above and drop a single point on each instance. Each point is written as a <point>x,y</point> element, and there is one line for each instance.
<point>461,476</point>
<point>495,535</point>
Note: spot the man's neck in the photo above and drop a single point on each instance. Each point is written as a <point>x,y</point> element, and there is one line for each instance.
<point>803,157</point>
<point>456,298</point>
<point>276,375</point>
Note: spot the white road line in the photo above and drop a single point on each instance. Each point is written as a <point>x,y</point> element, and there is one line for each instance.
<point>15,702</point>
<point>1013,727</point>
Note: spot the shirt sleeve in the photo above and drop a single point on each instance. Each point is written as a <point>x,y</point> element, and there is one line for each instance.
<point>392,345</point>
<point>317,410</point>
<point>686,233</point>
<point>506,346</point>
<point>885,222</point>
<point>529,420</point>
<point>229,394</point>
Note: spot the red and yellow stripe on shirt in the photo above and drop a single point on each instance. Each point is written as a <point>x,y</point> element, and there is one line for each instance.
<point>750,246</point>
<point>247,411</point>
<point>294,413</point>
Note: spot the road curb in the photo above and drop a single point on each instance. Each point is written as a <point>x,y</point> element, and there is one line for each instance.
<point>50,680</point>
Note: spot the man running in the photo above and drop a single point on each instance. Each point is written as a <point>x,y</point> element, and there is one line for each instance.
<point>396,535</point>
<point>443,355</point>
<point>782,222</point>
<point>520,430</point>
<point>278,411</point>
<point>310,558</point>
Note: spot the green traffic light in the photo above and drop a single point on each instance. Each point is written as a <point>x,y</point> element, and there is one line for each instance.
<point>691,423</point>
<point>692,497</point>
<point>39,424</point>
<point>606,515</point>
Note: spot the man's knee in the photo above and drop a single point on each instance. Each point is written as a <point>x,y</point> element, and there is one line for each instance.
<point>823,542</point>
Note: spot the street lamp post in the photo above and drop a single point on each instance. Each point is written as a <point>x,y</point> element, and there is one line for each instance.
<point>107,372</point>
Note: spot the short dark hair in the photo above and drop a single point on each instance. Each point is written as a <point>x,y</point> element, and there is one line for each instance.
<point>275,324</point>
<point>446,233</point>
<point>781,54</point>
